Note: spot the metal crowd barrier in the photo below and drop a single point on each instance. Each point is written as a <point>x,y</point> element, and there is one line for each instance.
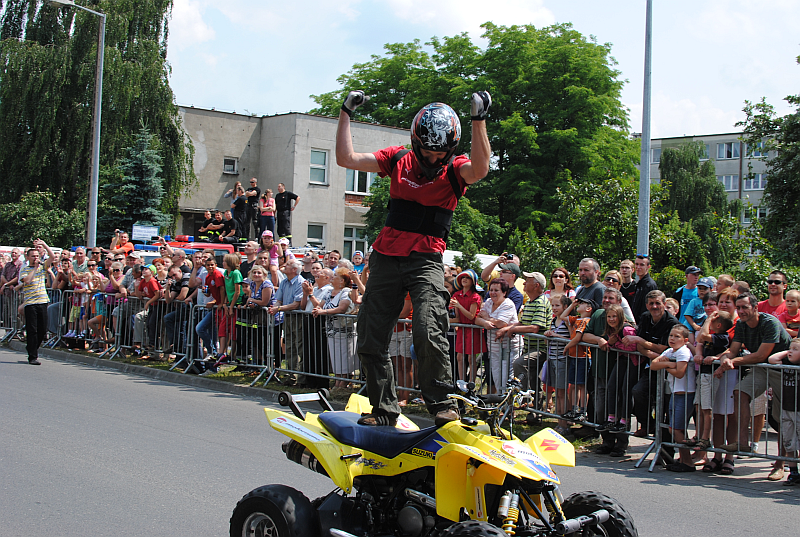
<point>316,350</point>
<point>8,314</point>
<point>573,389</point>
<point>734,422</point>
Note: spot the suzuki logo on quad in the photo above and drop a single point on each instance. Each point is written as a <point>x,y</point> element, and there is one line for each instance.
<point>424,454</point>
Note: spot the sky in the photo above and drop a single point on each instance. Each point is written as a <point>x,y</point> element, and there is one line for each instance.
<point>266,57</point>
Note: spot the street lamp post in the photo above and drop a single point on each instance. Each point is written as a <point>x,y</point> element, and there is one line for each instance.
<point>643,232</point>
<point>94,181</point>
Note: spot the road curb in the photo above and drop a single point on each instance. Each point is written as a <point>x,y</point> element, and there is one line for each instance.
<point>265,394</point>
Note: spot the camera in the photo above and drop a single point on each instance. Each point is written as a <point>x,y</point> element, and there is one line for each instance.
<point>117,231</point>
<point>155,238</point>
<point>451,313</point>
<point>509,256</point>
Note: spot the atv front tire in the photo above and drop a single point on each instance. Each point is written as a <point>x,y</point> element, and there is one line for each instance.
<point>274,511</point>
<point>619,524</point>
<point>473,528</point>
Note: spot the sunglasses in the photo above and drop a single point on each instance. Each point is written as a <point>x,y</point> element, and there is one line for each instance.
<point>643,256</point>
<point>116,270</point>
<point>559,276</point>
<point>119,259</point>
<point>775,282</point>
<point>91,265</point>
<point>610,279</point>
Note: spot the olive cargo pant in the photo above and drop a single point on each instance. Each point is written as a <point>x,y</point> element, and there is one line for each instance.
<point>391,277</point>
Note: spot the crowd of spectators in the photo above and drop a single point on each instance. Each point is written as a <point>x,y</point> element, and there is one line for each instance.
<point>590,344</point>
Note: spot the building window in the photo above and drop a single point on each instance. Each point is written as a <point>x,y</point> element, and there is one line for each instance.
<point>750,212</point>
<point>655,155</point>
<point>316,235</point>
<point>230,165</point>
<point>319,167</point>
<point>757,150</point>
<point>756,181</point>
<point>359,182</point>
<point>355,238</point>
<point>704,153</point>
<point>728,150</point>
<point>730,182</point>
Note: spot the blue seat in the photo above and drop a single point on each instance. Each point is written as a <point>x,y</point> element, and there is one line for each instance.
<point>386,441</point>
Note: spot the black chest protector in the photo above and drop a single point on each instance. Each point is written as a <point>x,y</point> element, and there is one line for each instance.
<point>405,215</point>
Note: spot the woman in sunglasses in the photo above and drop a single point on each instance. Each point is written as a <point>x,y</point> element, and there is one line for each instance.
<point>560,285</point>
<point>614,279</point>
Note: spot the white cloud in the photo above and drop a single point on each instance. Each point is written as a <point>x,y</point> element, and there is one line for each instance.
<point>187,27</point>
<point>684,116</point>
<point>447,17</point>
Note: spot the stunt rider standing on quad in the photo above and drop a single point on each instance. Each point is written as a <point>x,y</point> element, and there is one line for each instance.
<point>426,184</point>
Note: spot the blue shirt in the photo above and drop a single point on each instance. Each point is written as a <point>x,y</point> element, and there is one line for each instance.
<point>290,291</point>
<point>686,296</point>
<point>696,311</point>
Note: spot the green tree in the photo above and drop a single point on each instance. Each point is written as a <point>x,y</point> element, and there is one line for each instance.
<point>47,68</point>
<point>135,197</point>
<point>36,215</point>
<point>556,112</point>
<point>781,137</point>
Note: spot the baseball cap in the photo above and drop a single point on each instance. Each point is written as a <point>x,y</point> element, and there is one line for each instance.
<point>135,255</point>
<point>284,241</point>
<point>691,269</point>
<point>589,301</point>
<point>538,276</point>
<point>266,233</point>
<point>513,267</point>
<point>358,252</point>
<point>706,282</point>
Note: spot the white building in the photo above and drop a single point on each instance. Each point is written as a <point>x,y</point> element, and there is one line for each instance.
<point>295,149</point>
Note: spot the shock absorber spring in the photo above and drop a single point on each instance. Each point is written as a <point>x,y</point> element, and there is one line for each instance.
<point>510,520</point>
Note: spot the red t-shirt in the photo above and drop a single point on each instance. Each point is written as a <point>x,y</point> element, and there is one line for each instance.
<point>466,301</point>
<point>406,185</point>
<point>149,289</point>
<point>764,307</point>
<point>128,247</point>
<point>215,282</point>
<point>791,321</point>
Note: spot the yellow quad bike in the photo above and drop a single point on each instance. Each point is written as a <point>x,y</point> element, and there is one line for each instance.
<point>465,478</point>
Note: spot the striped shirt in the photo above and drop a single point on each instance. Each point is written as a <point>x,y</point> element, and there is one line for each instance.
<point>538,312</point>
<point>35,292</point>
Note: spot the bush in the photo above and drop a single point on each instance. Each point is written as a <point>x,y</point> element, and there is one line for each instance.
<point>669,280</point>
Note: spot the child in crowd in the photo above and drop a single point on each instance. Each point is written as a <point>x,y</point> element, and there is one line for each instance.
<point>713,340</point>
<point>681,378</point>
<point>695,314</point>
<point>80,298</point>
<point>623,375</point>
<point>577,356</point>
<point>790,415</point>
<point>671,305</point>
<point>556,376</point>
<point>466,303</point>
<point>358,261</point>
<point>790,319</point>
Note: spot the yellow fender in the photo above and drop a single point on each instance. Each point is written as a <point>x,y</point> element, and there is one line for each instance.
<point>311,434</point>
<point>456,472</point>
<point>552,447</point>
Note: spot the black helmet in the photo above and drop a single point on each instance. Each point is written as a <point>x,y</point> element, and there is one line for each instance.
<point>435,128</point>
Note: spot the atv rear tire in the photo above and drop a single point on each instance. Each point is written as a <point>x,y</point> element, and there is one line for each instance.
<point>473,528</point>
<point>619,524</point>
<point>274,511</point>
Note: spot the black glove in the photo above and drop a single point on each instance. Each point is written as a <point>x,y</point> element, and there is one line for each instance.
<point>353,100</point>
<point>481,101</point>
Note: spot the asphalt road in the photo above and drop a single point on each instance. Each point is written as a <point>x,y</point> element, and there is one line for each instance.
<point>94,452</point>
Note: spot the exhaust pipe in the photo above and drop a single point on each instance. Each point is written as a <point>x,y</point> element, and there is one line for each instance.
<point>297,452</point>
